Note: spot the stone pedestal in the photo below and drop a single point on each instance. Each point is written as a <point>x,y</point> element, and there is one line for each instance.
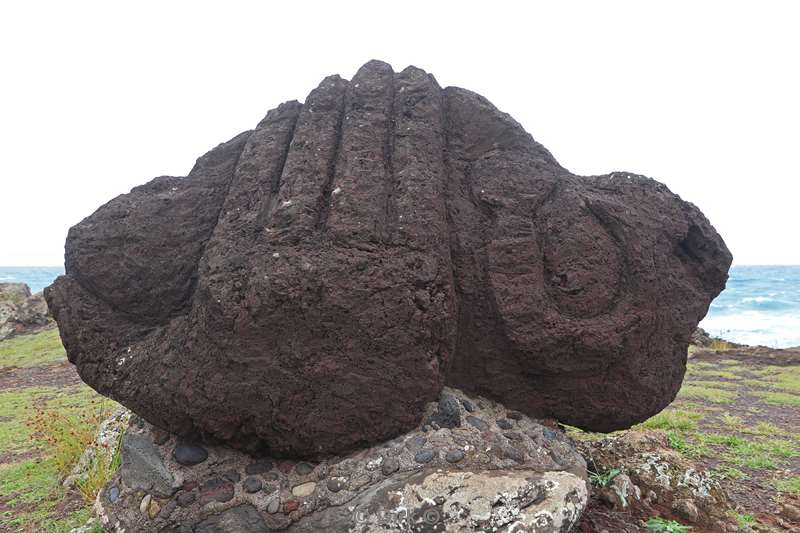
<point>471,465</point>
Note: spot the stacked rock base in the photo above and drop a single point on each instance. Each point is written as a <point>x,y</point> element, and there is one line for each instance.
<point>470,465</point>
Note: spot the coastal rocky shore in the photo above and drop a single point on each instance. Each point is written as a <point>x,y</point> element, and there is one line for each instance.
<point>20,311</point>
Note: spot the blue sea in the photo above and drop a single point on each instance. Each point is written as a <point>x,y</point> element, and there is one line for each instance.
<point>760,306</point>
<point>37,278</point>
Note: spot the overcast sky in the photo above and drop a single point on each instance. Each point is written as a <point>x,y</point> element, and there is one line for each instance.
<point>96,98</point>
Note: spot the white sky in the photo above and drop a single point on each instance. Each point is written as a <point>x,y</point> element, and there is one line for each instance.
<point>96,98</point>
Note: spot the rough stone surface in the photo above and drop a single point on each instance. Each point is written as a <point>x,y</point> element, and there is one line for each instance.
<point>482,491</point>
<point>313,283</point>
<point>142,466</point>
<point>20,311</point>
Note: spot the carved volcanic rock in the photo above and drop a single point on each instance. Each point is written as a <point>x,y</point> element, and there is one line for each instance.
<point>313,283</point>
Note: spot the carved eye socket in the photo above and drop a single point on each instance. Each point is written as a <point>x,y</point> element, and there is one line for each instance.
<point>582,261</point>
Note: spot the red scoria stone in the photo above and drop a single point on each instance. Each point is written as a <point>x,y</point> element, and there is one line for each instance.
<point>313,283</point>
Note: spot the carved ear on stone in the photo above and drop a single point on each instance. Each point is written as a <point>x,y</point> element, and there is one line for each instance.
<point>582,261</point>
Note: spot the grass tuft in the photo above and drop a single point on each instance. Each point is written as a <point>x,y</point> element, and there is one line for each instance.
<point>673,419</point>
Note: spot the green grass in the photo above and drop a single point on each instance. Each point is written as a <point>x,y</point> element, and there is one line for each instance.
<point>729,385</point>
<point>31,350</point>
<point>673,419</point>
<point>711,373</point>
<point>790,484</point>
<point>712,395</point>
<point>780,398</point>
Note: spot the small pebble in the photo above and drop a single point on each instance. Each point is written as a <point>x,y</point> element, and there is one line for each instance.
<point>447,415</point>
<point>189,454</point>
<point>251,484</point>
<point>186,499</point>
<point>468,406</point>
<point>269,489</point>
<point>232,475</point>
<point>502,423</point>
<point>424,456</point>
<point>153,509</point>
<point>290,506</point>
<point>514,454</point>
<point>113,494</point>
<point>303,469</point>
<point>454,456</point>
<point>477,423</point>
<point>259,467</point>
<point>145,503</point>
<point>271,476</point>
<point>167,510</point>
<point>514,415</point>
<point>216,490</point>
<point>390,466</point>
<point>549,434</point>
<point>512,435</point>
<point>335,484</point>
<point>304,489</point>
<point>415,443</point>
<point>273,506</point>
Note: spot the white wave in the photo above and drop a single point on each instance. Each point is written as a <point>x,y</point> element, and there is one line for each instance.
<point>777,330</point>
<point>757,299</point>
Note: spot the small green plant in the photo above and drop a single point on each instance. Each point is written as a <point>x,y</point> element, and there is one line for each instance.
<point>65,435</point>
<point>604,479</point>
<point>667,526</point>
<point>790,485</point>
<point>99,473</point>
<point>745,520</point>
<point>676,442</point>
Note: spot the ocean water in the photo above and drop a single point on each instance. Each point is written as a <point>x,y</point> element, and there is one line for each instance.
<point>760,305</point>
<point>37,278</point>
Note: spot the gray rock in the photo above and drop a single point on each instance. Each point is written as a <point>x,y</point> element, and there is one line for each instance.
<point>142,467</point>
<point>303,469</point>
<point>251,484</point>
<point>454,456</point>
<point>259,467</point>
<point>447,415</point>
<point>390,465</point>
<point>477,423</point>
<point>414,444</point>
<point>502,423</point>
<point>424,456</point>
<point>190,454</point>
<point>335,485</point>
<point>242,519</point>
<point>232,475</point>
